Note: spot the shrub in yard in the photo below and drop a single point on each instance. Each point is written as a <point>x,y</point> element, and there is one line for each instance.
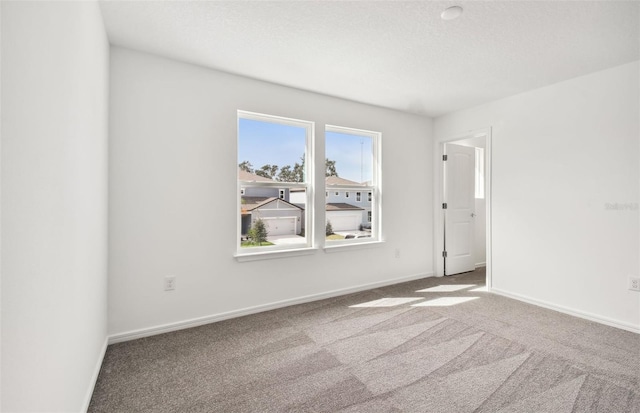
<point>258,232</point>
<point>329,229</point>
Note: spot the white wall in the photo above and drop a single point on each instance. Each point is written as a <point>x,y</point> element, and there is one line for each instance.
<point>173,159</point>
<point>54,206</point>
<point>560,154</point>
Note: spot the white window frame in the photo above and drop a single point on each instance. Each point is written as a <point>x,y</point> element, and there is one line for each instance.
<point>375,188</point>
<point>346,194</point>
<point>282,193</point>
<point>248,254</point>
<point>358,196</point>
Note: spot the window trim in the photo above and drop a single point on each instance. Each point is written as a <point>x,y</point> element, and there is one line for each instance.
<point>275,251</point>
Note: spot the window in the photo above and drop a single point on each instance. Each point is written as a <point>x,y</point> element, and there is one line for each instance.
<point>353,165</point>
<point>274,177</point>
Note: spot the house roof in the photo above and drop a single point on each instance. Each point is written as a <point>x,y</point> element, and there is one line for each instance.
<point>250,203</point>
<point>341,206</point>
<point>335,180</point>
<point>248,176</point>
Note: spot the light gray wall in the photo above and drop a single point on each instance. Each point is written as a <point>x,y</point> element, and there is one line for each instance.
<point>560,155</point>
<point>173,163</point>
<point>54,204</point>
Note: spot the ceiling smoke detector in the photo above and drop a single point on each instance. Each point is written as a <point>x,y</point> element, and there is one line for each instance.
<point>451,13</point>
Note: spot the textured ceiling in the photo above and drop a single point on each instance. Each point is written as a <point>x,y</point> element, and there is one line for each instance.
<point>395,54</point>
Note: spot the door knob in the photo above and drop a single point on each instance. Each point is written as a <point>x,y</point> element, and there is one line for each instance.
<point>473,215</point>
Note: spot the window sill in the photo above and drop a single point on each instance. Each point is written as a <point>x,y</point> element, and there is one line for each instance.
<point>352,246</point>
<point>268,255</point>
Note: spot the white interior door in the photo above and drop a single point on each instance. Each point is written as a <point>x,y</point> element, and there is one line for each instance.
<point>459,215</point>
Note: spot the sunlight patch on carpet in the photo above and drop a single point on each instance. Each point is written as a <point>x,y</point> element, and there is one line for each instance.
<point>388,302</point>
<point>446,288</point>
<point>444,301</point>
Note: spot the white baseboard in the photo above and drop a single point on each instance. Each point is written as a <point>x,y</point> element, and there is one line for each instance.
<point>195,322</point>
<point>94,377</point>
<point>481,264</point>
<point>566,310</point>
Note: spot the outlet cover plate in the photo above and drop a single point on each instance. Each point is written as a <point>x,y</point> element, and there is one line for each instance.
<point>169,283</point>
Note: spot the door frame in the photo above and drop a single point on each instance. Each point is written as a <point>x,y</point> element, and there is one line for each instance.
<point>438,216</point>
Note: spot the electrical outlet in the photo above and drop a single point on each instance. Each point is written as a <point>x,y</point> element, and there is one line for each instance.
<point>397,252</point>
<point>169,283</point>
<point>634,284</point>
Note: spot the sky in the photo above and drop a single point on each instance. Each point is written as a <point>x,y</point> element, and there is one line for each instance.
<point>264,143</point>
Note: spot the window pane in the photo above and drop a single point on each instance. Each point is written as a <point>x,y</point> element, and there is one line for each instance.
<point>271,150</point>
<point>349,157</point>
<point>271,177</point>
<point>350,165</point>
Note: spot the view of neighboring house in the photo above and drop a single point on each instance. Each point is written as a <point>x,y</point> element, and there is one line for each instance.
<point>347,209</point>
<point>282,210</point>
<point>269,204</point>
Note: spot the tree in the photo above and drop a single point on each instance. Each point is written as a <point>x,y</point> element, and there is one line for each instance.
<point>329,229</point>
<point>267,171</point>
<point>286,174</point>
<point>258,232</point>
<point>330,168</point>
<point>246,166</point>
<point>298,170</point>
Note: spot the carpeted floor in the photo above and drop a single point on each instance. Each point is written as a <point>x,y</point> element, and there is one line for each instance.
<point>431,345</point>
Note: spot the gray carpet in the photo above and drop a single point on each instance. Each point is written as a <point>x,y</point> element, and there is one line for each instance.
<point>350,354</point>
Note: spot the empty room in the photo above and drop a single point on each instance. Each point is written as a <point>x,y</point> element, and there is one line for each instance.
<point>320,206</point>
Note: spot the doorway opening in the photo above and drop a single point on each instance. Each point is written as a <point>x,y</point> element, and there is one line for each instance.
<point>463,204</point>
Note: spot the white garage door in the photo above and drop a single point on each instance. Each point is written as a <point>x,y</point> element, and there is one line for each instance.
<point>280,226</point>
<point>345,222</point>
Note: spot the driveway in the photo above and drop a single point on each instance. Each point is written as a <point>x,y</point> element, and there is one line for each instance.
<point>286,239</point>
